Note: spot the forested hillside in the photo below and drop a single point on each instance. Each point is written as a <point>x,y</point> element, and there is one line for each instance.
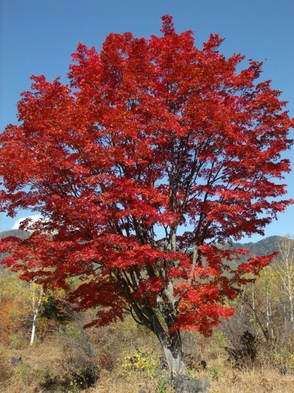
<point>15,232</point>
<point>265,246</point>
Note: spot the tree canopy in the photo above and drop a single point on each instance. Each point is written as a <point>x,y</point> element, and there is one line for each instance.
<point>155,154</point>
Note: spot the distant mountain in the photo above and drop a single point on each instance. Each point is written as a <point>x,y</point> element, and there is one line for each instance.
<point>15,232</point>
<point>262,247</point>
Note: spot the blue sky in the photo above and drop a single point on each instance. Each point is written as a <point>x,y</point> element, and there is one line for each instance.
<point>38,37</point>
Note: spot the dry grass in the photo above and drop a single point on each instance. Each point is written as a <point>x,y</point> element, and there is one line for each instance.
<point>48,360</point>
<point>231,381</point>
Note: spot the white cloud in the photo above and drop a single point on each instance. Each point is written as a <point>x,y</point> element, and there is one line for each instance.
<point>34,217</point>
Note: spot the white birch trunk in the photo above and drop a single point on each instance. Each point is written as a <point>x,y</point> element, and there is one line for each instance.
<point>285,269</point>
<point>36,308</point>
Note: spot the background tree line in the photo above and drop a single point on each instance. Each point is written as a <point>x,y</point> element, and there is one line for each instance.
<point>265,308</point>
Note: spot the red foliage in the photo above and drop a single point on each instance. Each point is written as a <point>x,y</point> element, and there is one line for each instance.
<point>149,134</point>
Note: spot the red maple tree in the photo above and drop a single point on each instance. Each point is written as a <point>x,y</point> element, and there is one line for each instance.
<point>154,155</point>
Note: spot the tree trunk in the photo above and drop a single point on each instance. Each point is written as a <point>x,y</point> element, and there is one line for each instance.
<point>33,332</point>
<point>168,336</point>
<point>36,308</point>
<point>175,361</point>
<point>173,352</point>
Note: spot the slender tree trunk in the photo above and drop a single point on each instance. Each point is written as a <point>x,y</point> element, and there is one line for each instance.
<point>285,270</point>
<point>291,310</point>
<point>36,307</point>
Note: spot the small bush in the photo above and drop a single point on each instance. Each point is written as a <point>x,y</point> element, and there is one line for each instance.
<point>283,358</point>
<point>244,352</point>
<point>144,362</point>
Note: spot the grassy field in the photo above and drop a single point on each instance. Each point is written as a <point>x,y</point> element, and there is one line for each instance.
<point>126,358</point>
